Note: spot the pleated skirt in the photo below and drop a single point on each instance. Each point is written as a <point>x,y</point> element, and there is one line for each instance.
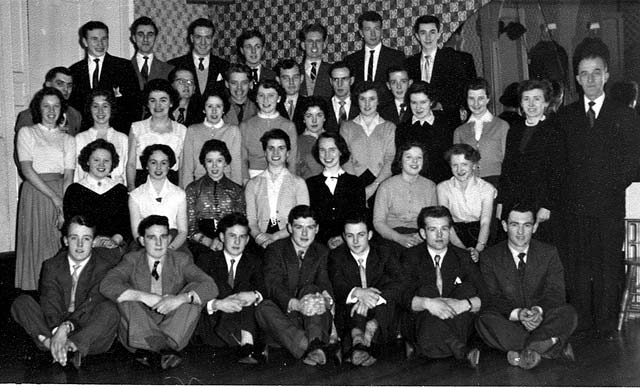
<point>37,237</point>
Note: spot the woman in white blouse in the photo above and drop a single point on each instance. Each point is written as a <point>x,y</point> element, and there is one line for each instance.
<point>159,97</point>
<point>47,160</point>
<point>159,196</point>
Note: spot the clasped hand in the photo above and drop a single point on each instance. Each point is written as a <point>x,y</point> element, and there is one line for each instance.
<point>530,318</point>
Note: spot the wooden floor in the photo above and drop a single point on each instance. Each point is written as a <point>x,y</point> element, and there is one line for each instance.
<point>599,362</point>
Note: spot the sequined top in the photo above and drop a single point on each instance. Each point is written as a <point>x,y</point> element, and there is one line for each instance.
<point>210,200</point>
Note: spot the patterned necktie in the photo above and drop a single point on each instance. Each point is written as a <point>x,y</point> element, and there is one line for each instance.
<point>290,109</point>
<point>300,258</point>
<point>591,114</point>
<point>74,286</point>
<point>231,277</point>
<point>363,273</point>
<point>154,272</point>
<point>314,71</point>
<point>522,266</point>
<point>342,113</point>
<point>181,115</point>
<point>427,63</point>
<point>201,64</point>
<point>95,77</point>
<point>370,66</point>
<point>145,69</point>
<point>438,274</point>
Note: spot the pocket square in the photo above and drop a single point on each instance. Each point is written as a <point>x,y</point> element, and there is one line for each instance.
<point>457,281</point>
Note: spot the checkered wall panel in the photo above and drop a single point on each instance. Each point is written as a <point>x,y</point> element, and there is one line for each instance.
<point>280,20</point>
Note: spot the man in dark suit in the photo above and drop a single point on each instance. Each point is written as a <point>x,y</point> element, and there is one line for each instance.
<point>297,314</point>
<point>289,77</point>
<point>207,67</point>
<point>525,312</point>
<point>372,61</point>
<point>72,315</point>
<point>341,107</point>
<point>160,294</point>
<point>99,70</point>
<point>397,109</point>
<point>597,134</point>
<point>237,80</point>
<point>367,283</point>
<point>442,287</point>
<point>143,36</point>
<point>230,317</point>
<point>250,46</point>
<point>441,68</point>
<point>315,80</point>
<point>189,109</point>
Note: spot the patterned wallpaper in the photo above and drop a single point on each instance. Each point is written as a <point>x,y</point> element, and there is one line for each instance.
<point>280,21</point>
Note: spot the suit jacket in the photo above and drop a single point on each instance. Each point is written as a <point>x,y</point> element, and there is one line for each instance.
<point>248,274</point>
<point>331,124</point>
<point>217,67</point>
<point>382,272</point>
<point>298,114</point>
<point>461,277</point>
<point>388,58</point>
<point>331,208</point>
<point>389,112</point>
<point>284,279</point>
<point>543,283</point>
<point>323,86</point>
<point>56,283</point>
<point>179,274</point>
<point>117,75</point>
<point>159,69</point>
<point>591,186</point>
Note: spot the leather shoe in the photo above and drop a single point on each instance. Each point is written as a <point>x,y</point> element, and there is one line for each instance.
<point>170,359</point>
<point>474,357</point>
<point>567,353</point>
<point>541,347</point>
<point>248,355</point>
<point>527,359</point>
<point>76,360</point>
<point>146,357</point>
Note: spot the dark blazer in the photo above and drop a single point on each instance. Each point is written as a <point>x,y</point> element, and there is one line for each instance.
<point>591,186</point>
<point>266,73</point>
<point>56,283</point>
<point>532,174</point>
<point>298,114</point>
<point>323,86</point>
<point>383,272</point>
<point>248,275</point>
<point>217,67</point>
<point>284,279</point>
<point>389,112</point>
<point>159,69</point>
<point>178,272</point>
<point>388,58</point>
<point>117,75</point>
<point>331,124</point>
<point>543,279</point>
<point>420,275</point>
<point>331,209</point>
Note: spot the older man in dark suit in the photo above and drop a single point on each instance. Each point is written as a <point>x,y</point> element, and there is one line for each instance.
<point>160,294</point>
<point>601,141</point>
<point>72,315</point>
<point>442,288</point>
<point>207,67</point>
<point>367,282</point>
<point>315,79</point>
<point>143,36</point>
<point>230,317</point>
<point>298,312</point>
<point>525,312</point>
<point>100,70</point>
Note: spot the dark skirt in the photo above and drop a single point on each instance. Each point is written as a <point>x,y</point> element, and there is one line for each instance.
<point>468,232</point>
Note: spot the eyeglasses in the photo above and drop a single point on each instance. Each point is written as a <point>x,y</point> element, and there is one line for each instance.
<point>183,82</point>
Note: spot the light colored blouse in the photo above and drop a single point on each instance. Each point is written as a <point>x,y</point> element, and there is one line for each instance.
<point>144,137</point>
<point>492,144</point>
<point>399,202</point>
<point>465,206</point>
<point>50,150</point>
<point>168,202</point>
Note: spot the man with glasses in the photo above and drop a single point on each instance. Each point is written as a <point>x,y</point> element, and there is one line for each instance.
<point>189,109</point>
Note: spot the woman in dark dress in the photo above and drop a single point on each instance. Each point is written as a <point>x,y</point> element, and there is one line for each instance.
<point>211,197</point>
<point>100,198</point>
<point>333,193</point>
<point>532,166</point>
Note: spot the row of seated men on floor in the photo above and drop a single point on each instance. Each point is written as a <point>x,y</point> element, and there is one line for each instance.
<point>317,304</point>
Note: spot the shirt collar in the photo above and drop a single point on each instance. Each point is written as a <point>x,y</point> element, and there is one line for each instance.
<point>485,118</point>
<point>217,125</point>
<point>514,254</point>
<point>141,56</point>
<point>432,54</point>
<point>362,256</point>
<point>430,119</point>
<point>598,103</point>
<point>377,49</point>
<point>309,133</point>
<point>228,257</point>
<point>82,263</point>
<point>152,260</point>
<point>273,115</point>
<point>433,254</point>
<point>376,120</point>
<point>298,248</point>
<point>327,175</point>
<point>336,101</point>
<point>92,57</point>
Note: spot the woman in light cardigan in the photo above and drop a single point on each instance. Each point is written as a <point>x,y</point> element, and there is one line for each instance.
<point>272,194</point>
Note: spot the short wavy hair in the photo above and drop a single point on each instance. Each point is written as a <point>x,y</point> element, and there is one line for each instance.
<point>160,85</point>
<point>111,100</point>
<point>342,145</point>
<point>149,150</point>
<point>34,105</point>
<point>396,165</point>
<point>214,145</point>
<point>470,153</point>
<point>98,144</point>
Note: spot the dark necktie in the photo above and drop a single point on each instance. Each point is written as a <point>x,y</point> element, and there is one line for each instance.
<point>438,274</point>
<point>231,277</point>
<point>314,72</point>
<point>240,113</point>
<point>154,272</point>
<point>591,114</point>
<point>74,287</point>
<point>95,77</point>
<point>201,64</point>
<point>342,113</point>
<point>300,258</point>
<point>521,264</point>
<point>403,109</point>
<point>145,69</point>
<point>370,66</point>
<point>181,115</point>
<point>254,75</point>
